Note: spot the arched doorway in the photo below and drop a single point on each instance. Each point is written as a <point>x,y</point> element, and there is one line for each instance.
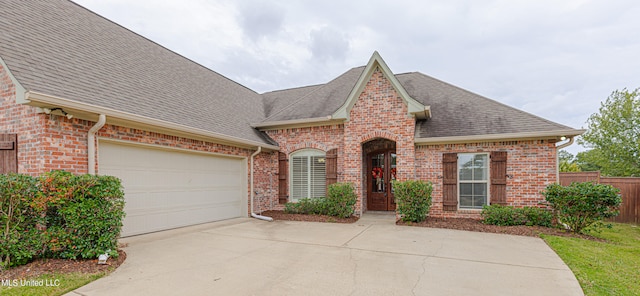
<point>380,170</point>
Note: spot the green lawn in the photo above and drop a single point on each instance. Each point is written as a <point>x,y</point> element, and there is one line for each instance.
<point>52,284</point>
<point>603,268</point>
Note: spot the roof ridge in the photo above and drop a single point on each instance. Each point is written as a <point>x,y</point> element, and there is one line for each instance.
<point>486,98</point>
<point>292,88</point>
<point>162,46</point>
<point>309,93</point>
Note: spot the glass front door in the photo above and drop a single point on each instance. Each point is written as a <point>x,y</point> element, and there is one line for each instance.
<point>382,166</point>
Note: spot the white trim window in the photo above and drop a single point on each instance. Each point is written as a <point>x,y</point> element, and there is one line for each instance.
<point>308,174</point>
<point>473,180</point>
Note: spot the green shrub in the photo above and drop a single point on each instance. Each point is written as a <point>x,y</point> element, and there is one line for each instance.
<point>94,219</point>
<point>339,203</point>
<point>581,205</point>
<point>59,215</point>
<point>502,215</point>
<point>537,216</point>
<point>341,200</point>
<point>510,216</point>
<point>308,206</point>
<point>413,199</point>
<point>20,241</point>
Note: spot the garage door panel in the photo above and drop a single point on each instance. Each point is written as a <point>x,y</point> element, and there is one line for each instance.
<point>166,189</point>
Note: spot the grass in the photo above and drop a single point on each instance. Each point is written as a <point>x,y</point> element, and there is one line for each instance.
<point>603,268</point>
<point>52,284</point>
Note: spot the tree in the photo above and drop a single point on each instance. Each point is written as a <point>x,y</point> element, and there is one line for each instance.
<point>588,160</point>
<point>614,135</point>
<point>567,162</point>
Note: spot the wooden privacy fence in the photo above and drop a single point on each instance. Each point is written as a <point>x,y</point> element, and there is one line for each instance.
<point>629,190</point>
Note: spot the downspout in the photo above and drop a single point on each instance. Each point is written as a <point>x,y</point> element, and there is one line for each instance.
<point>91,141</point>
<point>254,215</point>
<point>567,144</point>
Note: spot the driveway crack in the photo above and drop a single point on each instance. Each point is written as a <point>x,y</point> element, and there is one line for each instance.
<point>357,235</point>
<point>424,270</point>
<point>355,271</point>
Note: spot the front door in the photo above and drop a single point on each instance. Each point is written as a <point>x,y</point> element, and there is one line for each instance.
<point>382,171</point>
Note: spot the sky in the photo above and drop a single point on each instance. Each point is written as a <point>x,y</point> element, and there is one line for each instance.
<point>555,59</point>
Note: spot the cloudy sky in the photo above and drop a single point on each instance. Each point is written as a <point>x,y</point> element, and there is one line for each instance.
<point>555,59</point>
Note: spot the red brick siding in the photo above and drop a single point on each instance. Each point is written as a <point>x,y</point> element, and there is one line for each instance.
<point>379,112</point>
<point>532,165</point>
<point>323,138</point>
<point>265,181</point>
<point>25,122</point>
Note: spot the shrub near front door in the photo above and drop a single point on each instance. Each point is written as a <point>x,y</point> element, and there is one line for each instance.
<point>413,199</point>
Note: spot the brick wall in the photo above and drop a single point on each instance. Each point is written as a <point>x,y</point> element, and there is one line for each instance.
<point>322,138</point>
<point>24,121</point>
<point>379,112</point>
<point>531,164</point>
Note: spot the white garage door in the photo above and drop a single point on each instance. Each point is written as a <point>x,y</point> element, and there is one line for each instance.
<point>166,189</point>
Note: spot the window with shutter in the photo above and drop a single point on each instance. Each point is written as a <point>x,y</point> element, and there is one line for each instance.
<point>308,171</point>
<point>499,178</point>
<point>473,177</point>
<point>332,166</point>
<point>450,181</point>
<point>283,172</point>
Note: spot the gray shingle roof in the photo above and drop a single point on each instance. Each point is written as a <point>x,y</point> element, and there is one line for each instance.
<point>58,48</point>
<point>277,100</point>
<point>456,112</point>
<point>320,101</point>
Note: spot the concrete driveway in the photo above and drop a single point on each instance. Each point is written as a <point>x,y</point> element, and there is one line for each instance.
<point>371,257</point>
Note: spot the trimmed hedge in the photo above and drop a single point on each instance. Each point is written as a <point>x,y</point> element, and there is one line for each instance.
<point>59,215</point>
<point>413,199</point>
<point>510,216</point>
<point>340,202</point>
<point>581,205</point>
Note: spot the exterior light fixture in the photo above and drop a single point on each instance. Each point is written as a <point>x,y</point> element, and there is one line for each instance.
<point>563,138</point>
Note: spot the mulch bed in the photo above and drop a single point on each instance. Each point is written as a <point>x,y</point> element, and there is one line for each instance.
<point>477,225</point>
<point>48,266</point>
<point>281,215</point>
<point>448,223</point>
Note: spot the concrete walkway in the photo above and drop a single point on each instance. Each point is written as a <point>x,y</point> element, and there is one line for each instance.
<point>371,257</point>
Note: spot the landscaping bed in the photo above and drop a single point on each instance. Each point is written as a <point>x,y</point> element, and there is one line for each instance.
<point>59,266</point>
<point>477,225</point>
<point>449,223</point>
<point>281,215</point>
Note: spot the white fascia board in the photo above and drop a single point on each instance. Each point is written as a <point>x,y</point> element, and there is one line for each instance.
<point>557,134</point>
<point>296,123</point>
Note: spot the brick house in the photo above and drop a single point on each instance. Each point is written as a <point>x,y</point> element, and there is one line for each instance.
<point>82,94</point>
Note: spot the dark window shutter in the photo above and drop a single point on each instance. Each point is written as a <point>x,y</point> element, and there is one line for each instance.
<point>499,178</point>
<point>283,171</point>
<point>450,181</point>
<point>331,167</point>
<point>8,153</point>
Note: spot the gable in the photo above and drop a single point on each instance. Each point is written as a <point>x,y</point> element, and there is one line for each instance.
<point>376,62</point>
